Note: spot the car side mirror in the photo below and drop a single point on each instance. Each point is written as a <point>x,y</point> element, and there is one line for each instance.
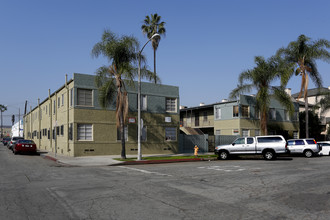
<point>233,144</point>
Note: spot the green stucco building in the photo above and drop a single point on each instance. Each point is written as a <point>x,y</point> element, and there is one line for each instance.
<point>71,122</point>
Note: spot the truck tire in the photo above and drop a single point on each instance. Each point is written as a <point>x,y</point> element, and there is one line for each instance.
<point>308,153</point>
<point>269,155</point>
<point>223,155</point>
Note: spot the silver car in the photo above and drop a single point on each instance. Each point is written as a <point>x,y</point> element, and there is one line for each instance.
<point>307,147</point>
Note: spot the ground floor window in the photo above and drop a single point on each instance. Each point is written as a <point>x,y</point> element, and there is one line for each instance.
<point>85,132</point>
<point>125,133</point>
<point>170,134</point>
<point>217,132</point>
<point>257,132</point>
<point>295,134</point>
<point>245,132</point>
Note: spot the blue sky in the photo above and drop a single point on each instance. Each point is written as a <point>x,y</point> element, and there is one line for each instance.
<point>207,45</point>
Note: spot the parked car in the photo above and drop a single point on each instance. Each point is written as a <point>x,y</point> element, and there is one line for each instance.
<point>307,147</point>
<point>13,141</point>
<point>268,146</point>
<point>24,146</point>
<point>6,140</point>
<point>325,147</point>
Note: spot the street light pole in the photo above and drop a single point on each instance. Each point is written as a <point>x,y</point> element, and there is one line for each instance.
<point>139,98</point>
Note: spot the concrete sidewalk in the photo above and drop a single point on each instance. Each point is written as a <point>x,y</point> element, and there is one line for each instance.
<point>109,160</point>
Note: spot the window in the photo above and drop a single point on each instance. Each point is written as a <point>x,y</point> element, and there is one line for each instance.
<point>272,114</point>
<point>245,132</point>
<point>240,141</point>
<point>269,139</point>
<point>217,132</point>
<point>70,132</point>
<point>204,116</point>
<point>295,134</point>
<point>57,131</point>
<point>62,99</point>
<point>257,114</point>
<point>144,134</point>
<point>143,102</point>
<point>62,130</point>
<point>125,133</point>
<point>245,111</point>
<point>249,140</point>
<point>54,106</point>
<point>58,102</point>
<point>235,132</point>
<point>85,132</point>
<point>171,104</point>
<point>46,109</point>
<point>286,115</point>
<point>218,113</point>
<point>170,134</point>
<point>85,97</point>
<point>257,132</point>
<point>235,111</point>
<point>71,97</point>
<point>299,142</point>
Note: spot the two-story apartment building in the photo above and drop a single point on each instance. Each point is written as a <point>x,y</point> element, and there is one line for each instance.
<point>239,117</point>
<point>71,122</point>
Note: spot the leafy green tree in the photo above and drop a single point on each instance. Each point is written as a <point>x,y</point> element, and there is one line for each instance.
<point>260,79</point>
<point>151,26</point>
<point>304,53</point>
<point>314,124</point>
<point>122,53</point>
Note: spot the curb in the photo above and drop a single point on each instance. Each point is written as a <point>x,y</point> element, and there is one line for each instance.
<point>49,158</point>
<point>162,161</point>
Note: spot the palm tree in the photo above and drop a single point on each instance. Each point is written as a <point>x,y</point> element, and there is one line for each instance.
<point>122,53</point>
<point>304,54</point>
<point>151,26</point>
<point>260,79</point>
<point>2,109</point>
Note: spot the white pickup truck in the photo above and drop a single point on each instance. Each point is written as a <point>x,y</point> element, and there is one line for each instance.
<point>268,146</point>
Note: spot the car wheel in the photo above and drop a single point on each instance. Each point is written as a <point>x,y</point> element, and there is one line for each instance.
<point>269,155</point>
<point>223,155</point>
<point>308,153</point>
<point>15,152</point>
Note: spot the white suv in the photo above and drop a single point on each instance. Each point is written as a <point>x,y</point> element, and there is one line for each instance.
<point>325,147</point>
<point>307,147</point>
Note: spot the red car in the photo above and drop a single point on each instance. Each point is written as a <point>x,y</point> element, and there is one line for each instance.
<point>24,146</point>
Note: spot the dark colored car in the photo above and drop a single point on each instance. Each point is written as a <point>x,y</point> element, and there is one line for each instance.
<point>12,142</point>
<point>24,146</point>
<point>6,140</point>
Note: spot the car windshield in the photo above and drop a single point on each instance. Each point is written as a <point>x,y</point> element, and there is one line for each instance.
<point>25,142</point>
<point>17,138</point>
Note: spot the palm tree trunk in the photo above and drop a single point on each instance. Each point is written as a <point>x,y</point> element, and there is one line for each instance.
<point>122,136</point>
<point>306,117</point>
<point>154,61</point>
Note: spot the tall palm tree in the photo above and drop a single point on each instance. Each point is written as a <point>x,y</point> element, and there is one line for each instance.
<point>260,79</point>
<point>2,109</point>
<point>151,26</point>
<point>304,54</point>
<point>122,53</point>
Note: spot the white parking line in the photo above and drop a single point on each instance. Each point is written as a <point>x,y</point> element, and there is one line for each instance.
<point>225,168</point>
<point>144,171</point>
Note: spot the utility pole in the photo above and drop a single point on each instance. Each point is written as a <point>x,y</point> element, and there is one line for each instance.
<point>2,109</point>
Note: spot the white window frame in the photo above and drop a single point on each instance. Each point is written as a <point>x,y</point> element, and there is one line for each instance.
<point>144,103</point>
<point>82,132</point>
<point>169,131</point>
<point>244,134</point>
<point>217,113</point>
<point>169,107</point>
<point>272,114</point>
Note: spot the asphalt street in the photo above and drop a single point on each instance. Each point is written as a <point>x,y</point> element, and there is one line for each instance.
<point>32,187</point>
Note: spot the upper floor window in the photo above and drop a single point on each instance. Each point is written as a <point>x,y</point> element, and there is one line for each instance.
<point>171,104</point>
<point>218,113</point>
<point>286,115</point>
<point>58,102</point>
<point>245,111</point>
<point>272,114</point>
<point>71,97</point>
<point>62,99</point>
<point>143,102</point>
<point>85,97</point>
<point>204,116</point>
<point>235,111</point>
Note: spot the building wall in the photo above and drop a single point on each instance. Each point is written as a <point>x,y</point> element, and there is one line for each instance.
<point>58,113</point>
